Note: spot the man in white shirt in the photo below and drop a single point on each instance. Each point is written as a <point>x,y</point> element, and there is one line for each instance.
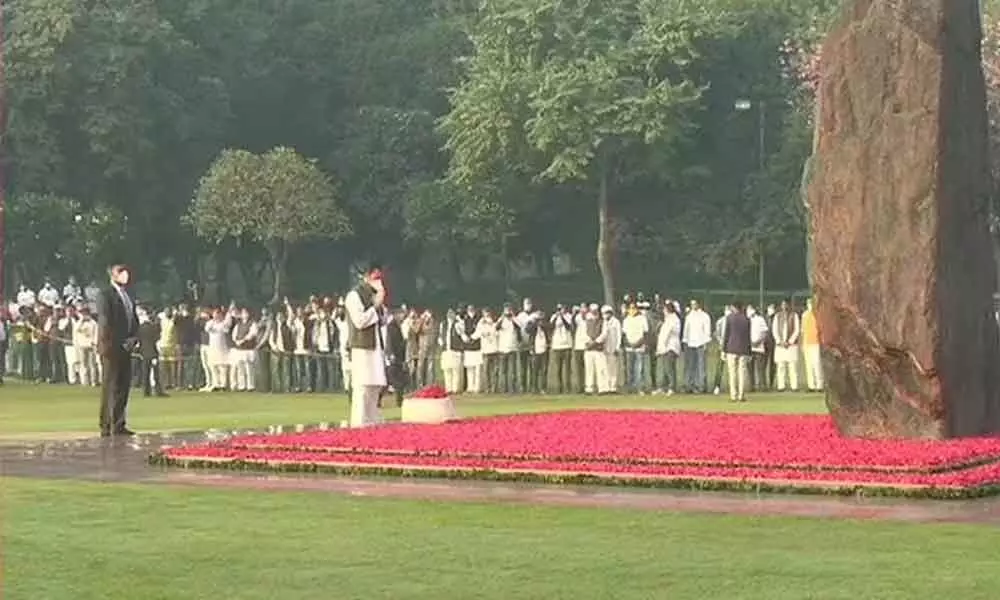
<point>759,334</point>
<point>218,330</point>
<point>72,294</point>
<point>48,295</point>
<point>635,331</point>
<point>668,347</point>
<point>508,337</point>
<point>343,344</point>
<point>91,294</point>
<point>697,337</point>
<point>562,346</point>
<point>25,297</point>
<point>488,336</point>
<point>612,348</point>
<point>85,344</point>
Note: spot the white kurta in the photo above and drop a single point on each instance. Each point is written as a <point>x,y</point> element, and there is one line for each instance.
<point>367,366</point>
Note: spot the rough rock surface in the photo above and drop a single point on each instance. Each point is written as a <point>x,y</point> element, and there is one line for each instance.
<point>903,270</point>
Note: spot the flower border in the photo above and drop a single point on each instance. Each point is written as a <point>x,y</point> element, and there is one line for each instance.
<point>938,469</point>
<point>688,483</point>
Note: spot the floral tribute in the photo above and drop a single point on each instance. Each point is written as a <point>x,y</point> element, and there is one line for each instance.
<point>638,448</point>
<point>431,392</point>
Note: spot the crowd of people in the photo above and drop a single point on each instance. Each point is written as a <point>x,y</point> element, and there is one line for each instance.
<point>640,347</point>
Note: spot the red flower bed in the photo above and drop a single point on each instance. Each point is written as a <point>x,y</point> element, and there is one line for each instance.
<point>675,449</point>
<point>765,441</point>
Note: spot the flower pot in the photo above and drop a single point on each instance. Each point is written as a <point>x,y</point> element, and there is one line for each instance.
<point>428,410</point>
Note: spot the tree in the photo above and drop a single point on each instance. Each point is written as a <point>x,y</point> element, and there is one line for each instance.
<point>40,227</point>
<point>575,90</point>
<point>276,199</point>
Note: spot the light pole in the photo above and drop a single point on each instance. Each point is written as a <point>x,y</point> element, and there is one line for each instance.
<point>744,105</point>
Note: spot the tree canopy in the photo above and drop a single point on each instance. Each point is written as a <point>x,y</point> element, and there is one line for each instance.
<point>277,199</point>
<point>466,134</point>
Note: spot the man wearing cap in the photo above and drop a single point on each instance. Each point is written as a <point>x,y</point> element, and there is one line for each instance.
<point>84,344</point>
<point>595,363</point>
<point>612,349</point>
<point>364,306</point>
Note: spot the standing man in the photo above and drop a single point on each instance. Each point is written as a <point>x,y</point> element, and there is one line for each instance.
<point>810,349</point>
<point>117,328</point>
<point>395,352</point>
<point>364,307</point>
<point>736,349</point>
<point>668,347</point>
<point>697,336</point>
<point>450,341</point>
<point>562,346</point>
<point>786,330</point>
<point>635,331</point>
<point>150,371</point>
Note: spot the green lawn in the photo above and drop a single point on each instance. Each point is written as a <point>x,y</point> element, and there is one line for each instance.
<point>28,409</point>
<point>78,541</point>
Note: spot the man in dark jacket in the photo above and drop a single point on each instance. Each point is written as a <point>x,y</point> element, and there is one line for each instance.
<point>736,346</point>
<point>395,357</point>
<point>150,374</point>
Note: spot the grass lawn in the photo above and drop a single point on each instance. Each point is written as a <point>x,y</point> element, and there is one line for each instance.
<point>77,541</point>
<point>81,541</point>
<point>27,409</point>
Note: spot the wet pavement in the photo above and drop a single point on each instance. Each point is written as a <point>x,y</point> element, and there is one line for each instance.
<point>125,461</point>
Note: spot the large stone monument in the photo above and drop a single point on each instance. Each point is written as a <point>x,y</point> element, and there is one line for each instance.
<point>903,269</point>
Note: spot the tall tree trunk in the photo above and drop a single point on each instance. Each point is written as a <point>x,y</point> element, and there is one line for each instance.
<point>605,252</point>
<point>278,251</point>
<point>456,267</point>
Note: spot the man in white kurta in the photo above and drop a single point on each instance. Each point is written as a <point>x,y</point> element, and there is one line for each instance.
<point>367,365</point>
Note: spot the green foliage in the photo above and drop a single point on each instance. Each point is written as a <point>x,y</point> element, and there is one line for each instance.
<point>122,105</point>
<point>445,213</point>
<point>554,83</point>
<point>274,198</point>
<point>53,235</point>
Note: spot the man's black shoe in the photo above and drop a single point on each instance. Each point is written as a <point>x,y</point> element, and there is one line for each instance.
<point>124,432</point>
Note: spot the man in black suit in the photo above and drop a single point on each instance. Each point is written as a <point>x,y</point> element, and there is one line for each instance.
<point>117,331</point>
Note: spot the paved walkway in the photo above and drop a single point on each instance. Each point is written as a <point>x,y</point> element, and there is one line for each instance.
<point>124,461</point>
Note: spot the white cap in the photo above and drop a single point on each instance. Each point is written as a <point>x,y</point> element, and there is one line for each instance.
<point>594,307</point>
<point>606,309</point>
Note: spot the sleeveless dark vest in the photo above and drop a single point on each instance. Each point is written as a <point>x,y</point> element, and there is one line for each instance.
<point>473,345</point>
<point>242,329</point>
<point>594,327</point>
<point>363,339</point>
